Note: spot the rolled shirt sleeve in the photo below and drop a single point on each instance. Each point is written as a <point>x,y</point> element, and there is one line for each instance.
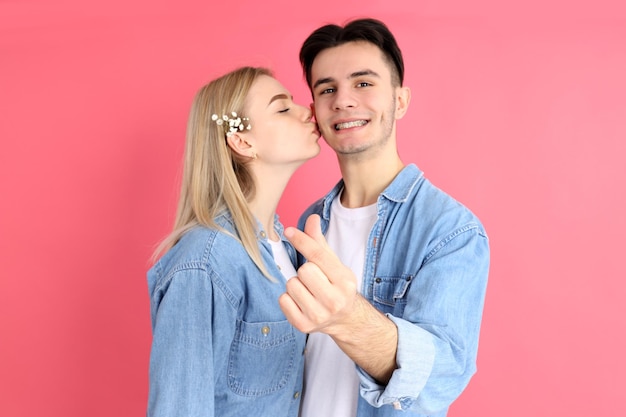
<point>439,328</point>
<point>413,369</point>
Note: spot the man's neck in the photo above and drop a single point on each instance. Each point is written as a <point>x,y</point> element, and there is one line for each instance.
<point>365,180</point>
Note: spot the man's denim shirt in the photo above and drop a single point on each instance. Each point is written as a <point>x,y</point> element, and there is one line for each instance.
<point>426,267</point>
<point>221,344</point>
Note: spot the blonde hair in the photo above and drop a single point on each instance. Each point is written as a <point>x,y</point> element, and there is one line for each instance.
<point>215,178</point>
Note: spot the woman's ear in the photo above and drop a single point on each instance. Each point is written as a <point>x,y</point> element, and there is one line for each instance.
<point>240,145</point>
<point>403,98</point>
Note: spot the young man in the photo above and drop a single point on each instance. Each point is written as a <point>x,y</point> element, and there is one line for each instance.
<point>396,269</point>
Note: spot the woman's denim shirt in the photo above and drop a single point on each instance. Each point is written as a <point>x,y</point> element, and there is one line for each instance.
<point>426,267</point>
<point>221,344</point>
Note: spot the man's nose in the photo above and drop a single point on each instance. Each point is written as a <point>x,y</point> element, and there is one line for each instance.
<point>343,99</point>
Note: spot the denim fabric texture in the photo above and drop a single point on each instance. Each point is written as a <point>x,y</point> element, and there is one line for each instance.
<point>221,344</point>
<point>426,268</point>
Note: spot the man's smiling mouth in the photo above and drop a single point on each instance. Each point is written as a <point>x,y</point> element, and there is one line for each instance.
<point>348,125</point>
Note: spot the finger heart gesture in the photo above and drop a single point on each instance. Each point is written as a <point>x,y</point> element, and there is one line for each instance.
<point>322,295</point>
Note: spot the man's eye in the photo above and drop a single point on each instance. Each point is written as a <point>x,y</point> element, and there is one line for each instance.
<point>284,110</point>
<point>327,91</point>
<point>363,84</point>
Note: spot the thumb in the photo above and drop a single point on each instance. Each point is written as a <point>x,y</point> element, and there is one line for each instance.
<point>313,228</point>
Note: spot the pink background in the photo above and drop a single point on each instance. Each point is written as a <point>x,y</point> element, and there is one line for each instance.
<point>518,111</point>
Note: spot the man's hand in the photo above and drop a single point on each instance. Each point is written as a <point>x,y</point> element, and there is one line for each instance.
<point>323,295</point>
<point>324,298</point>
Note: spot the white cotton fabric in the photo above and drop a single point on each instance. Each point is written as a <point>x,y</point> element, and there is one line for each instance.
<point>331,383</point>
<point>281,257</point>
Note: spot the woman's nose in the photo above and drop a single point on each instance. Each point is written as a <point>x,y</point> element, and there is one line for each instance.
<point>307,113</point>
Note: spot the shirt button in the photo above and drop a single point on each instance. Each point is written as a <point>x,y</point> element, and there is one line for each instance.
<point>397,405</point>
<point>265,330</point>
<point>279,268</point>
<point>296,395</point>
<point>263,234</point>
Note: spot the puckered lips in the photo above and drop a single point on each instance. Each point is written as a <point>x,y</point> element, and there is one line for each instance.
<point>350,124</point>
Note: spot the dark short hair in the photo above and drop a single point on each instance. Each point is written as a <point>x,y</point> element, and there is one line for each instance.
<point>368,30</point>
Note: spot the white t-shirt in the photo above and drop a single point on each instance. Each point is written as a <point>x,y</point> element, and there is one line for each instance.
<point>331,384</point>
<point>281,257</point>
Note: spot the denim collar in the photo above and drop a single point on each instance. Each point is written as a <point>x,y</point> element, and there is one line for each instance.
<point>398,190</point>
<point>225,220</point>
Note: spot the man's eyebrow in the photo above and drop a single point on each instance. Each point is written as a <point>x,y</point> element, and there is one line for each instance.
<point>364,72</point>
<point>278,97</point>
<point>323,81</point>
<point>355,74</point>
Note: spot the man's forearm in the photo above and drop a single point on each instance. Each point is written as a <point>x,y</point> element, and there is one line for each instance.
<point>370,339</point>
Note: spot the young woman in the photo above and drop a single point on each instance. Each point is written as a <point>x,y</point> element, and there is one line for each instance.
<point>221,344</point>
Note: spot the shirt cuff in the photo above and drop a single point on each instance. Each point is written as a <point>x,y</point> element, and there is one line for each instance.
<point>415,358</point>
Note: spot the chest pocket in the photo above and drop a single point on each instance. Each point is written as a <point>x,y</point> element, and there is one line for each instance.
<point>262,357</point>
<point>389,293</point>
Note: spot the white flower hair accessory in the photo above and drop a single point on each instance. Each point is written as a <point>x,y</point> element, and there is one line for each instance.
<point>235,124</point>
